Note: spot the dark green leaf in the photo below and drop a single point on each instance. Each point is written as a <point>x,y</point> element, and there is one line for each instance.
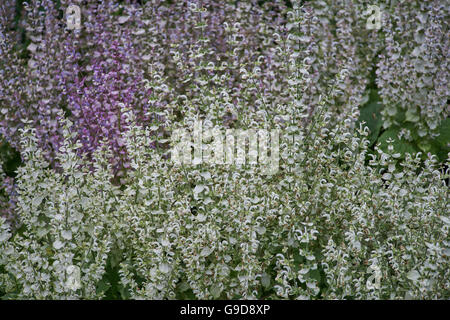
<point>400,145</point>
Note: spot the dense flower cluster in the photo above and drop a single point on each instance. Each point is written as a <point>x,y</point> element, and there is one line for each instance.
<point>91,112</point>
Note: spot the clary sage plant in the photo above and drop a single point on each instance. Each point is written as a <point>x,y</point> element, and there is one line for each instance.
<point>103,211</point>
<point>334,222</point>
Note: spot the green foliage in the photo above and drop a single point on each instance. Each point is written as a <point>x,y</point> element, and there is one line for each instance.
<point>10,159</point>
<point>442,141</point>
<point>370,114</point>
<point>400,145</point>
<point>404,134</point>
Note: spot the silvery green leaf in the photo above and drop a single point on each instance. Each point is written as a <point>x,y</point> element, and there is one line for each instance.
<point>206,251</point>
<point>201,217</point>
<point>198,189</point>
<point>32,47</point>
<point>58,244</point>
<point>310,257</point>
<point>261,230</point>
<point>4,236</point>
<point>208,200</point>
<point>387,176</point>
<point>164,268</point>
<point>411,116</point>
<point>446,252</point>
<point>67,234</point>
<point>123,19</point>
<point>165,242</point>
<point>216,290</point>
<point>42,232</point>
<point>183,286</point>
<point>265,280</point>
<point>445,219</point>
<point>242,278</point>
<point>206,175</point>
<point>37,200</point>
<point>413,275</point>
<point>139,32</point>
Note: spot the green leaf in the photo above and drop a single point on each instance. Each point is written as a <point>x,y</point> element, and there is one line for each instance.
<point>400,146</point>
<point>183,286</point>
<point>400,115</point>
<point>124,293</point>
<point>9,296</point>
<point>444,133</point>
<point>411,116</point>
<point>216,290</point>
<point>424,145</point>
<point>391,110</point>
<point>102,286</point>
<point>413,275</point>
<point>412,129</point>
<point>115,257</point>
<point>315,274</point>
<point>265,280</point>
<point>370,114</point>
